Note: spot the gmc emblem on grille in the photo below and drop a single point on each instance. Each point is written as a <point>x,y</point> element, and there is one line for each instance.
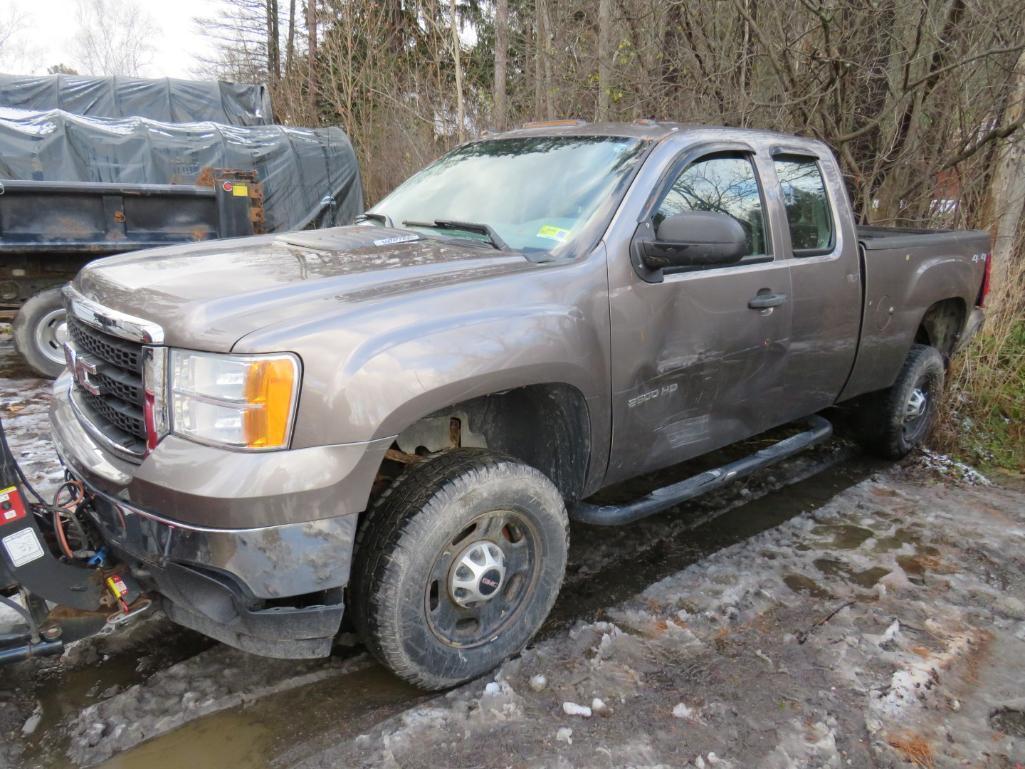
<point>81,368</point>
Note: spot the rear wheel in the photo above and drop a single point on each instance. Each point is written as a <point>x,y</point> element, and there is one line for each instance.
<point>40,330</point>
<point>897,420</point>
<point>457,566</point>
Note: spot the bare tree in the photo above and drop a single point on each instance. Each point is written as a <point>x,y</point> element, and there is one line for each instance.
<point>273,41</point>
<point>14,49</point>
<point>605,54</point>
<point>290,47</point>
<point>113,37</point>
<point>456,58</point>
<point>311,54</point>
<point>501,62</point>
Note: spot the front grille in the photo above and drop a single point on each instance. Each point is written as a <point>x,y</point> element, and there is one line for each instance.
<point>117,411</point>
<point>117,352</point>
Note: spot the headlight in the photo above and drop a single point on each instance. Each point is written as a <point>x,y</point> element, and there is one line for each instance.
<point>241,401</point>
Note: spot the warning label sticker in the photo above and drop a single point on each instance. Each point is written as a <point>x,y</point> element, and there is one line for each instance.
<point>23,547</point>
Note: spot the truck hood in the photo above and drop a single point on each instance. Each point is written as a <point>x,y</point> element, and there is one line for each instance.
<point>208,296</point>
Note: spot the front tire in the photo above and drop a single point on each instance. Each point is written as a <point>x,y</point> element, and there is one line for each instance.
<point>457,566</point>
<point>897,420</point>
<point>40,330</point>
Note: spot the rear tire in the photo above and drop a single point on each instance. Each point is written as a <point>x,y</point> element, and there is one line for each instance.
<point>457,566</point>
<point>40,328</point>
<point>897,420</point>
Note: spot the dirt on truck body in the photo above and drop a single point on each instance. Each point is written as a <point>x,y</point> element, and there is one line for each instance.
<point>395,421</point>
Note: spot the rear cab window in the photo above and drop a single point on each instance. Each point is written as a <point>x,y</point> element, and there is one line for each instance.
<point>809,216</point>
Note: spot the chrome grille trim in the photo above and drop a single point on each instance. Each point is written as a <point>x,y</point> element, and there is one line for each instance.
<point>110,321</point>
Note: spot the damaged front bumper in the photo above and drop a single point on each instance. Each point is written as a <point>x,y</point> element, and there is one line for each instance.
<point>274,590</point>
<point>219,582</point>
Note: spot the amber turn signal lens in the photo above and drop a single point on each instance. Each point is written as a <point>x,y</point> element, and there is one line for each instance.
<point>269,391</point>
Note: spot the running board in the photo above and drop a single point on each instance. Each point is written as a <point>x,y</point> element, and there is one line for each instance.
<point>819,430</point>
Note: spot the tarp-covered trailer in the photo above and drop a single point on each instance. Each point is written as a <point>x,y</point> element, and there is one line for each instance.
<point>168,100</point>
<point>73,188</point>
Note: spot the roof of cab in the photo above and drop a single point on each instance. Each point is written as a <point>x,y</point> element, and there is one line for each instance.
<point>651,130</point>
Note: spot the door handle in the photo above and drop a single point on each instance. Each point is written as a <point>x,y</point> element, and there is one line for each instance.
<point>766,300</point>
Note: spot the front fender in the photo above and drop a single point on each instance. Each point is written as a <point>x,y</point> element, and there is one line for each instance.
<point>394,380</point>
<point>372,368</point>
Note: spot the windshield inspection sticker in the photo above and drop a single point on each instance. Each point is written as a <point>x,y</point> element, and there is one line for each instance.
<point>23,547</point>
<point>396,239</point>
<point>551,232</point>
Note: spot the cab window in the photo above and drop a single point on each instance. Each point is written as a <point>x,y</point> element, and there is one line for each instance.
<point>724,184</point>
<point>807,205</point>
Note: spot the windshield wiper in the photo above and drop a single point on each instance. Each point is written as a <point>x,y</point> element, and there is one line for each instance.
<point>481,229</point>
<point>374,217</point>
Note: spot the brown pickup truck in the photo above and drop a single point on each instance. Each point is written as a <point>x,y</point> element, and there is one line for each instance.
<point>402,416</point>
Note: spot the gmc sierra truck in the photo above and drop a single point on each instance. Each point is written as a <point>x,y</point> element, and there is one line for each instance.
<point>399,418</point>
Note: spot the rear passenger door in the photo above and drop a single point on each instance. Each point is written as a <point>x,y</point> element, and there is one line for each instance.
<point>825,276</point>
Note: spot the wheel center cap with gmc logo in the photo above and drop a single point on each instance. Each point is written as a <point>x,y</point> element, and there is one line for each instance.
<point>477,574</point>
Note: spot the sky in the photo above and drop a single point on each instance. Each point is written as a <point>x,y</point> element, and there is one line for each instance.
<point>46,37</point>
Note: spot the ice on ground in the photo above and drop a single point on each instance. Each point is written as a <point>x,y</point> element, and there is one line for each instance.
<point>573,709</point>
<point>843,637</point>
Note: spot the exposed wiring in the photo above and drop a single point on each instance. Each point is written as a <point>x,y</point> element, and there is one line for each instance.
<point>68,509</point>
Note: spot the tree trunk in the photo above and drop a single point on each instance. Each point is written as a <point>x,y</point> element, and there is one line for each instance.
<point>290,50</point>
<point>605,54</point>
<point>539,34</point>
<point>460,109</point>
<point>547,58</point>
<point>273,50</point>
<point>501,61</point>
<point>311,74</point>
<point>1007,187</point>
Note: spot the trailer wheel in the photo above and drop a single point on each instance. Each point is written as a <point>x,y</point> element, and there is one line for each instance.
<point>40,330</point>
<point>898,419</point>
<point>457,566</point>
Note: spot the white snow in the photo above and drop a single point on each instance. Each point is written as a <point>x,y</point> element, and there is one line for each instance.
<point>573,709</point>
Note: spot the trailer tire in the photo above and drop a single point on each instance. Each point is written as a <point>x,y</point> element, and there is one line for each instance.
<point>897,420</point>
<point>457,565</point>
<point>40,328</point>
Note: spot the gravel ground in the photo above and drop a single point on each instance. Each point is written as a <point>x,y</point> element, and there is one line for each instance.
<point>867,616</point>
<point>885,629</point>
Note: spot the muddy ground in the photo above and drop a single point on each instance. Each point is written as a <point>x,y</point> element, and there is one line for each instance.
<point>831,612</point>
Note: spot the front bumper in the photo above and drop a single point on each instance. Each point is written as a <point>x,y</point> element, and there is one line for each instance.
<point>217,581</point>
<point>272,587</point>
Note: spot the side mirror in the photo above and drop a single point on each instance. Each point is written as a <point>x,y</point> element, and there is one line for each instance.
<point>695,239</point>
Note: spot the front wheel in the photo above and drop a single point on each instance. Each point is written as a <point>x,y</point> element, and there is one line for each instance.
<point>899,419</point>
<point>40,330</point>
<point>457,566</point>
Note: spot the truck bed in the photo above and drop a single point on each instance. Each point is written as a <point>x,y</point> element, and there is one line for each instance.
<point>875,238</point>
<point>904,271</point>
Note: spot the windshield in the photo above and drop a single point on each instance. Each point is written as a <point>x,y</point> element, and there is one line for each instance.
<point>535,193</point>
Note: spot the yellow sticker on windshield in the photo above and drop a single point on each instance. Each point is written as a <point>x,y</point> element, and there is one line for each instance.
<point>551,232</point>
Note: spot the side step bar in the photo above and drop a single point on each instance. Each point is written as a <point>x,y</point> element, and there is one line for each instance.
<point>819,430</point>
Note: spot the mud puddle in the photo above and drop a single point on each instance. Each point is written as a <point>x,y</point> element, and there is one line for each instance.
<point>606,566</point>
<point>278,730</point>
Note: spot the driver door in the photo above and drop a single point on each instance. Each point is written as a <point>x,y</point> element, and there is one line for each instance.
<point>695,366</point>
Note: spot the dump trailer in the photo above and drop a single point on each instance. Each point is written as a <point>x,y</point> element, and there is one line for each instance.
<point>74,188</point>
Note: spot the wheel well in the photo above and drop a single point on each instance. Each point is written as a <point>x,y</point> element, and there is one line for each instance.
<point>941,325</point>
<point>545,426</point>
